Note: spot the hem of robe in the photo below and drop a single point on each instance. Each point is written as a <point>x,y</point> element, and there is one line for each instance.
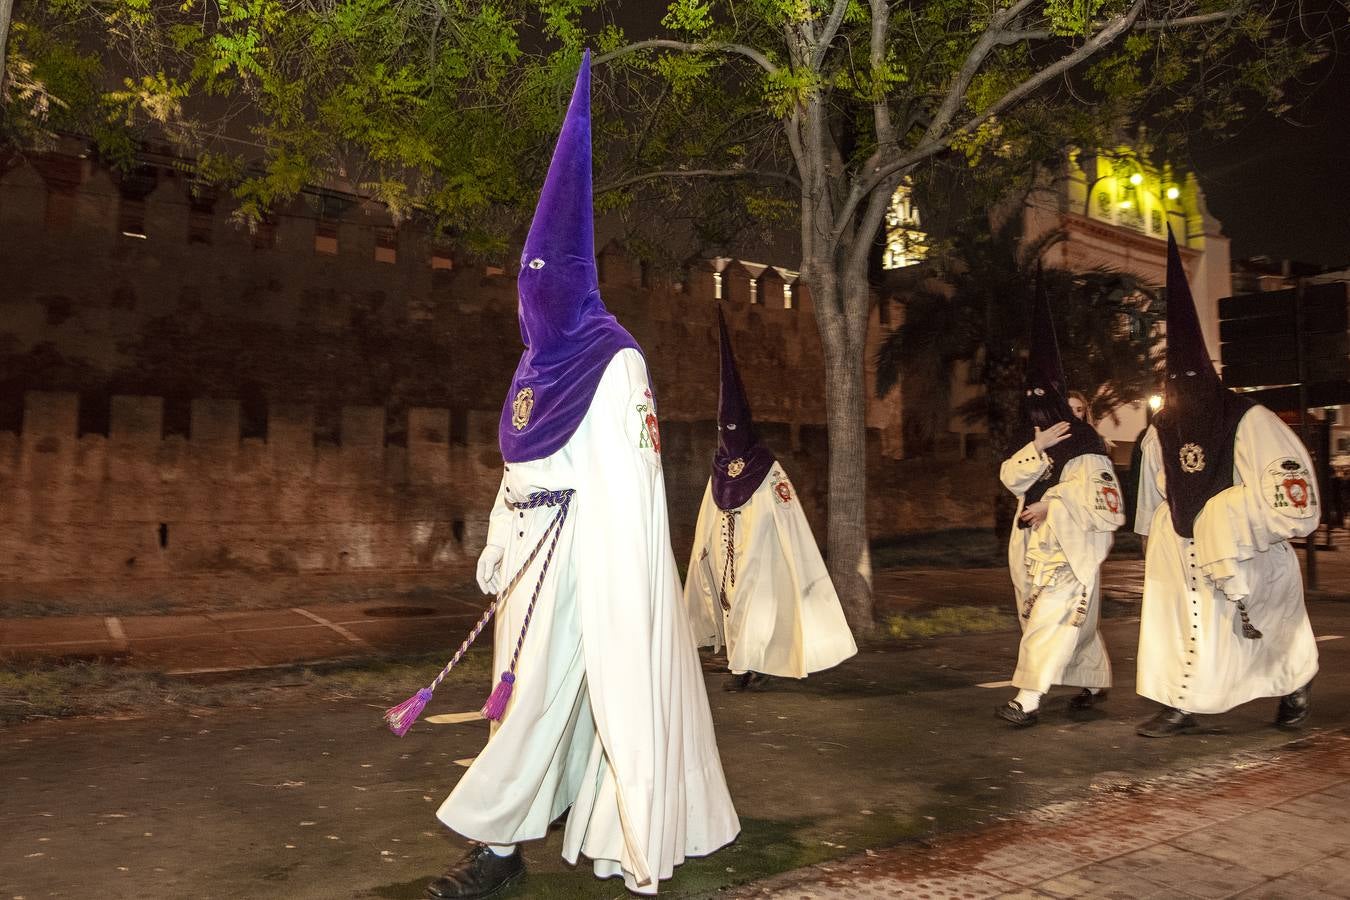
<point>1213,704</point>
<point>1024,681</point>
<point>1073,674</point>
<point>740,668</point>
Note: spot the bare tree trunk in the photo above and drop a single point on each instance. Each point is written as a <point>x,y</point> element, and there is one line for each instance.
<point>6,12</point>
<point>842,337</point>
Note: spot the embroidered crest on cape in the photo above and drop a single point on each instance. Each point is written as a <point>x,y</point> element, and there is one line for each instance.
<point>1192,458</point>
<point>784,491</point>
<point>1288,488</point>
<point>735,467</point>
<point>1107,496</point>
<point>649,432</point>
<point>521,408</point>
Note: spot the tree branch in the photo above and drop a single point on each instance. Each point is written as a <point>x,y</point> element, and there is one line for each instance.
<point>1041,34</point>
<point>881,112</point>
<point>700,173</point>
<point>983,47</point>
<point>685,47</point>
<point>931,144</point>
<point>827,36</point>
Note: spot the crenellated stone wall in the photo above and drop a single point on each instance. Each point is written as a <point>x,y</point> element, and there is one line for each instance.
<point>193,412</point>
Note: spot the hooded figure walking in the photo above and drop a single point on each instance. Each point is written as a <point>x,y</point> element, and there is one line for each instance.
<point>602,708</point>
<point>1224,485</point>
<point>756,582</point>
<point>1068,507</point>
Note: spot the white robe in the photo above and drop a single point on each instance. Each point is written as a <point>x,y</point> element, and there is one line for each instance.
<point>1192,655</point>
<point>785,618</point>
<point>1062,558</point>
<point>610,714</point>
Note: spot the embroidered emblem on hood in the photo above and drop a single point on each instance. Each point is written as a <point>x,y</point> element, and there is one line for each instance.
<point>1192,458</point>
<point>521,408</point>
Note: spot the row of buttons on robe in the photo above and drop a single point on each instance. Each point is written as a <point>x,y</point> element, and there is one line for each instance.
<point>1195,611</point>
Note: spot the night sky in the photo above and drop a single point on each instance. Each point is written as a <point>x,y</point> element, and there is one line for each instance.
<point>1283,189</point>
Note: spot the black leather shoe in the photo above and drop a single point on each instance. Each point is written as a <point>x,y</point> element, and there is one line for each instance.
<point>756,681</point>
<point>737,682</point>
<point>1294,708</point>
<point>1012,712</point>
<point>1085,699</point>
<point>481,873</point>
<point>1166,723</point>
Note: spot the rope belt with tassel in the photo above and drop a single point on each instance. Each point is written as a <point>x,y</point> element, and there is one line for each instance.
<point>1080,609</point>
<point>402,717</point>
<point>729,566</point>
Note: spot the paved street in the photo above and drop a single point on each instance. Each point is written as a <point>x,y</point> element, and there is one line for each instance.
<point>1261,825</point>
<point>315,799</point>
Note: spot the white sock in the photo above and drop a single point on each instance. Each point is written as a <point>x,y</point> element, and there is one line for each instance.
<point>1095,691</point>
<point>503,850</point>
<point>1030,701</point>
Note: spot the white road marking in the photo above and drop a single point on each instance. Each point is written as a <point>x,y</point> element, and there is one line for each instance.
<point>114,626</point>
<point>995,684</point>
<point>454,718</point>
<point>345,632</point>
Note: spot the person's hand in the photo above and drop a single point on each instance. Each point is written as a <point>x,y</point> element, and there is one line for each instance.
<point>489,567</point>
<point>1035,513</point>
<point>1050,436</point>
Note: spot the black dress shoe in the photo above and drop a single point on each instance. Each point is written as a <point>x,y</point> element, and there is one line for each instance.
<point>481,873</point>
<point>756,681</point>
<point>737,682</point>
<point>1294,708</point>
<point>1166,723</point>
<point>1085,699</point>
<point>1012,712</point>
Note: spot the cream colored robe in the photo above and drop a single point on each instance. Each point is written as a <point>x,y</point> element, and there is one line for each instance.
<point>1062,557</point>
<point>785,618</point>
<point>1192,655</point>
<point>610,712</point>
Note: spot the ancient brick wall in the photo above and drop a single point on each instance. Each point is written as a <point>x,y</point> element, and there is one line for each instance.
<point>192,412</point>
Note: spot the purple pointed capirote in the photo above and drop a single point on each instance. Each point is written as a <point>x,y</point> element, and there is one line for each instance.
<point>569,335</point>
<point>1045,399</point>
<point>1186,351</point>
<point>1045,368</point>
<point>1200,418</point>
<point>741,461</point>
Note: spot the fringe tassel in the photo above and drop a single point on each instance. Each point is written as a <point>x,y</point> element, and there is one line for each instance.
<point>403,716</point>
<point>495,707</point>
<point>1080,612</point>
<point>1249,631</point>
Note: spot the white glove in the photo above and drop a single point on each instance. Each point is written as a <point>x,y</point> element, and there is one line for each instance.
<point>489,567</point>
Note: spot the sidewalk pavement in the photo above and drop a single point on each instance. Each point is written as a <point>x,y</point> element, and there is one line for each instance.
<point>233,641</point>
<point>1273,826</point>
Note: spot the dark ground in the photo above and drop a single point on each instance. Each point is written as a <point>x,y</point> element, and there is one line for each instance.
<point>304,794</point>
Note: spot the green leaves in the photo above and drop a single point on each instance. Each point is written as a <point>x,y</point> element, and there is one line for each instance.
<point>689,17</point>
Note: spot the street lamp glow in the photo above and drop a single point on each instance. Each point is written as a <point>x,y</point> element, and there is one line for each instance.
<point>1136,179</point>
<point>1126,204</point>
<point>1173,193</point>
<point>1155,402</point>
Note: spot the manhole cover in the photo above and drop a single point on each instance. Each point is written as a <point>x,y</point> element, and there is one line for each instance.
<point>399,612</point>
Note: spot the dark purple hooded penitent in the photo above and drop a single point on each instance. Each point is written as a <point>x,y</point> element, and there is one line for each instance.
<point>570,337</point>
<point>1046,401</point>
<point>1198,425</point>
<point>741,461</point>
